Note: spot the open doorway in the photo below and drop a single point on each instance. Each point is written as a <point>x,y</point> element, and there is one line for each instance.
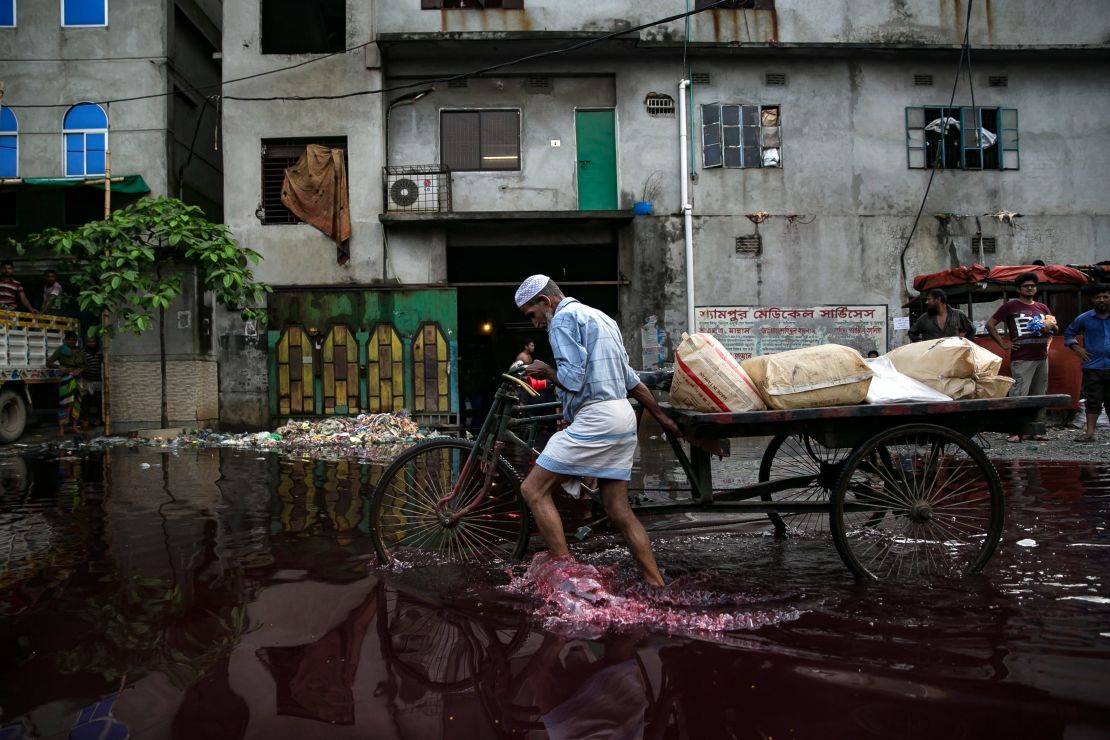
<point>492,331</point>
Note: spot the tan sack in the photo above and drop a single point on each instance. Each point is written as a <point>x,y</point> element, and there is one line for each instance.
<point>984,361</point>
<point>992,386</point>
<point>708,378</point>
<point>955,388</point>
<point>933,359</point>
<point>825,375</point>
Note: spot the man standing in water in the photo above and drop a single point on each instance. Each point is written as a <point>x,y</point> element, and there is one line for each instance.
<point>593,380</point>
<point>1095,354</point>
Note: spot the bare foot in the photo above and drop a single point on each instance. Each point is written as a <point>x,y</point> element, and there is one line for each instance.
<point>1014,438</point>
<point>1086,438</point>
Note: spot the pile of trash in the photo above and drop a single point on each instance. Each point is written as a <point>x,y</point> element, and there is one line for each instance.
<point>371,437</point>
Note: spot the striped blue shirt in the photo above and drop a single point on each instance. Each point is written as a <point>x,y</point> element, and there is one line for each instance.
<point>590,359</point>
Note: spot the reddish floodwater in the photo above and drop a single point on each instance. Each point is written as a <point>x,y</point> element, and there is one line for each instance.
<point>237,597</point>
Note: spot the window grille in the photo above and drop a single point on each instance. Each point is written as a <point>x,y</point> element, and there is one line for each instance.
<point>458,83</point>
<point>701,78</point>
<point>277,156</point>
<point>923,80</point>
<point>658,104</point>
<point>537,84</point>
<point>774,78</point>
<point>998,81</point>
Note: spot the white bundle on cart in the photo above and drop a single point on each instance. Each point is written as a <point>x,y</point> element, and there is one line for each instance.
<point>956,367</point>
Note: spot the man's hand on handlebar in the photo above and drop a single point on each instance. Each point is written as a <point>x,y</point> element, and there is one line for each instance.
<point>540,369</point>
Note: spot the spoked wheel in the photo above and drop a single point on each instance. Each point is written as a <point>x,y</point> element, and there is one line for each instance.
<point>442,648</point>
<point>791,456</point>
<point>917,501</point>
<point>407,519</point>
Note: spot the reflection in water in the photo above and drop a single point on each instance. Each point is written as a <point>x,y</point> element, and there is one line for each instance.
<point>234,596</point>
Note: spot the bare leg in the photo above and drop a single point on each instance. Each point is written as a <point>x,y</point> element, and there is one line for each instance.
<point>536,490</point>
<point>1092,420</point>
<point>614,495</point>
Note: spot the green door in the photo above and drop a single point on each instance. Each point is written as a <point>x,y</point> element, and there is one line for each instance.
<point>595,136</point>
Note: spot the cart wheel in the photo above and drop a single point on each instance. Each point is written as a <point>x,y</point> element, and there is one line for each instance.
<point>789,456</point>
<point>406,519</point>
<point>917,500</point>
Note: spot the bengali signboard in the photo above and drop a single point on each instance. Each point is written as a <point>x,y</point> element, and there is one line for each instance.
<point>749,331</point>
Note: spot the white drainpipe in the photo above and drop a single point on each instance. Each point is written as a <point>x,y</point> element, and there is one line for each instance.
<point>687,209</point>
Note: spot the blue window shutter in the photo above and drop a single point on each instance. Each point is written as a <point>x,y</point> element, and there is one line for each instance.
<point>7,13</point>
<point>9,156</point>
<point>84,12</point>
<point>94,154</point>
<point>85,116</point>
<point>75,155</point>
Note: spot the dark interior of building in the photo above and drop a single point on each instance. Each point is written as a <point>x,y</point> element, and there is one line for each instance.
<point>492,330</point>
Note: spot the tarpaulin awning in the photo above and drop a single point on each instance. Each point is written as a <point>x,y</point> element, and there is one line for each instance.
<point>1046,275</point>
<point>120,183</point>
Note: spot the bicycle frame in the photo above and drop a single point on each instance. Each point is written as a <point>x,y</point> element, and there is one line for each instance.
<point>505,418</point>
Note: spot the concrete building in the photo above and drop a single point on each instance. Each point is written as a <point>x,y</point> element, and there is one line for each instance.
<point>67,68</point>
<point>810,152</point>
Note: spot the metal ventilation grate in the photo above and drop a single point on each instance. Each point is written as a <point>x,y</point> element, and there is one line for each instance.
<point>457,83</point>
<point>989,244</point>
<point>998,81</point>
<point>750,245</point>
<point>658,104</point>
<point>774,78</point>
<point>537,84</point>
<point>701,78</point>
<point>922,80</point>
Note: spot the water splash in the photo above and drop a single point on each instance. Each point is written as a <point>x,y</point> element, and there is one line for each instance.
<point>580,600</point>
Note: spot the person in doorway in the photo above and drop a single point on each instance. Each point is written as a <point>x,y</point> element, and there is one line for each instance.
<point>11,290</point>
<point>528,353</point>
<point>70,358</point>
<point>1029,327</point>
<point>51,291</point>
<point>1094,325</point>
<point>593,380</point>
<point>940,320</point>
<point>93,380</point>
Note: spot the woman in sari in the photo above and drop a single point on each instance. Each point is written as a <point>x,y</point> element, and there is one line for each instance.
<point>71,358</point>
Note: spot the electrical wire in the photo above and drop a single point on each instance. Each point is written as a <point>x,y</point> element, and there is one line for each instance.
<point>965,52</point>
<point>484,70</point>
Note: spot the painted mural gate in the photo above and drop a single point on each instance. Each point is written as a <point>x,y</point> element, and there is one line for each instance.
<point>349,352</point>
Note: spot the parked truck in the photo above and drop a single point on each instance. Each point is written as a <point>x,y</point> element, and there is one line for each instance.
<point>26,340</point>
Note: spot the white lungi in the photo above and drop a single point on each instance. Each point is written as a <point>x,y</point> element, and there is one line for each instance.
<point>599,443</point>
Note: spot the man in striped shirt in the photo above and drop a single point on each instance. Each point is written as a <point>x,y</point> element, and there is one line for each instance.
<point>11,290</point>
<point>593,380</point>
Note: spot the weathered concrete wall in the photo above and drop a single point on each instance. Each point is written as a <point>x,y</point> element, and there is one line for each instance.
<point>299,254</point>
<point>546,179</point>
<point>911,22</point>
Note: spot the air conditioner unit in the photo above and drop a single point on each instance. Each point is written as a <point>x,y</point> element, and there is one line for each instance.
<point>417,189</point>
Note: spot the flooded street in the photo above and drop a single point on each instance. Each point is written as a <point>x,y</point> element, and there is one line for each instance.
<point>234,595</point>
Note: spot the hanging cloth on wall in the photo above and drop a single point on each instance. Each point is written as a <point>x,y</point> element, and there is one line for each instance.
<point>315,190</point>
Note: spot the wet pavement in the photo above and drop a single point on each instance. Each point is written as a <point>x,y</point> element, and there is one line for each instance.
<point>226,593</point>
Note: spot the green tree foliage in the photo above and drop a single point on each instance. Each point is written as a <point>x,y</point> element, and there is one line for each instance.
<point>125,264</point>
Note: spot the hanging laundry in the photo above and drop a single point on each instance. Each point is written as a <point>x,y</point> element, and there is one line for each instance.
<point>315,190</point>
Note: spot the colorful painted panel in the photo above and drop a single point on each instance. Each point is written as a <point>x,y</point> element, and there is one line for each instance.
<point>339,366</point>
<point>385,370</point>
<point>431,367</point>
<point>295,375</point>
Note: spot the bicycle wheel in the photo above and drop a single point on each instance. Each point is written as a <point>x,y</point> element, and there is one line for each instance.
<point>918,500</point>
<point>794,455</point>
<point>407,519</point>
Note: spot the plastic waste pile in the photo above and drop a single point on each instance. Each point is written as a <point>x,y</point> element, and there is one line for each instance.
<point>366,436</point>
<point>582,600</point>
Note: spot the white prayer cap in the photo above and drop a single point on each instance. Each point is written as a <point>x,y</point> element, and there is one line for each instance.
<point>529,288</point>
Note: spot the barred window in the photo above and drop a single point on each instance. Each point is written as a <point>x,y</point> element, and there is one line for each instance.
<point>277,156</point>
<point>962,138</point>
